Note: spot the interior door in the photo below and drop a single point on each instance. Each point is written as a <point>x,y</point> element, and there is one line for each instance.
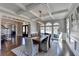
<point>25,30</point>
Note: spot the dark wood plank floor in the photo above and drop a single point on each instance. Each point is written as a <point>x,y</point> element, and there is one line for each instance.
<point>7,47</point>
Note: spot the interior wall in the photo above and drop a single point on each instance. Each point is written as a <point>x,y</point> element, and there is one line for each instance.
<point>19,28</point>
<point>0,32</point>
<point>18,32</point>
<point>38,28</point>
<point>33,27</point>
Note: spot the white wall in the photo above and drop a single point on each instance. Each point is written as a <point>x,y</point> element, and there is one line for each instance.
<point>33,27</point>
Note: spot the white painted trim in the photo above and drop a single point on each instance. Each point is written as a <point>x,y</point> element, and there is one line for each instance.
<point>21,6</point>
<point>24,8</point>
<point>49,11</point>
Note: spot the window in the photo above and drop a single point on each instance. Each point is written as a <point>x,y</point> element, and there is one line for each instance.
<point>23,29</point>
<point>56,24</point>
<point>67,28</point>
<point>42,29</point>
<point>48,24</point>
<point>49,28</point>
<point>56,28</point>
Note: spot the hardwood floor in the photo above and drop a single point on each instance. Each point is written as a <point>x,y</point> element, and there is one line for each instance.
<point>7,47</point>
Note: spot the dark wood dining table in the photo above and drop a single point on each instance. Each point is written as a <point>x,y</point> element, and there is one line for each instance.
<point>38,40</point>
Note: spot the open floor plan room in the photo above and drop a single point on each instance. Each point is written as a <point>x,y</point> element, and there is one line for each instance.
<point>39,29</point>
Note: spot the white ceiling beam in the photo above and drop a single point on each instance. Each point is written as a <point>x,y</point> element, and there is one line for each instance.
<point>53,13</point>
<point>60,11</point>
<point>24,16</point>
<point>38,17</point>
<point>24,9</point>
<point>7,10</point>
<point>49,11</point>
<point>32,6</point>
<point>21,6</point>
<point>13,14</point>
<point>73,7</point>
<point>56,12</point>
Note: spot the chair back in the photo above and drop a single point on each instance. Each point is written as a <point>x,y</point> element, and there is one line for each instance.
<point>28,46</point>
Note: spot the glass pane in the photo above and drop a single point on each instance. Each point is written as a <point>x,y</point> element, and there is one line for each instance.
<point>55,28</point>
<point>23,28</point>
<point>42,29</point>
<point>49,30</point>
<point>26,29</point>
<point>67,20</point>
<point>48,24</point>
<point>56,24</point>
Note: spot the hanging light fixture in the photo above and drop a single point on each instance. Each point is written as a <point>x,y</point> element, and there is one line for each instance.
<point>40,13</point>
<point>40,17</point>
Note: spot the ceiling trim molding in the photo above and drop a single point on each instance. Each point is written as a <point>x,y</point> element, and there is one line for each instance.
<point>24,9</point>
<point>60,11</point>
<point>21,6</point>
<point>7,10</point>
<point>73,7</point>
<point>49,11</point>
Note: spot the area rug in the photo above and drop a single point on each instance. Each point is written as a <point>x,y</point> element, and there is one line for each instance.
<point>21,51</point>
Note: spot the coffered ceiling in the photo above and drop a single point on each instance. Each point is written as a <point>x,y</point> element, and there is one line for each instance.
<point>49,11</point>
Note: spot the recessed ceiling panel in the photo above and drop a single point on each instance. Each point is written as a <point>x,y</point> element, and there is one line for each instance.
<point>10,6</point>
<point>42,8</point>
<point>31,16</point>
<point>46,18</point>
<point>56,10</point>
<point>59,6</point>
<point>60,15</point>
<point>25,4</point>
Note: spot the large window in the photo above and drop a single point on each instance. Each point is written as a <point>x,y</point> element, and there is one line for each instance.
<point>49,28</point>
<point>55,28</point>
<point>67,26</point>
<point>42,29</point>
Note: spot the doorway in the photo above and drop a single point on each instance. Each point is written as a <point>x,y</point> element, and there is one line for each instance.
<point>8,27</point>
<point>25,30</point>
<point>8,35</point>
